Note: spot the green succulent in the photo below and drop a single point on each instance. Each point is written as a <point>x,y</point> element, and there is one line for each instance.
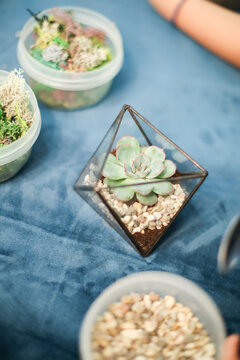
<point>135,164</point>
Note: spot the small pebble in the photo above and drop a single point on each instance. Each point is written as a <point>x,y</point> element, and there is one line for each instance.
<point>150,328</point>
<point>150,217</point>
<point>138,217</point>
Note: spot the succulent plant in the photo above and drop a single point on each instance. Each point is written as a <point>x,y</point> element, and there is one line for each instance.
<point>134,164</point>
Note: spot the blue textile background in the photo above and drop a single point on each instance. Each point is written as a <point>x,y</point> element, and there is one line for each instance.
<point>56,253</point>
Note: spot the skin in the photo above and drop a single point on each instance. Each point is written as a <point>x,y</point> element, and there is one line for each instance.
<point>231,348</point>
<point>203,21</point>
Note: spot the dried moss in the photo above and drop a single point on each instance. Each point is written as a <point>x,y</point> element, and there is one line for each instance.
<point>64,44</point>
<point>15,116</point>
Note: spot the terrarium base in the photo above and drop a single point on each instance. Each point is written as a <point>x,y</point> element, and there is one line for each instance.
<point>145,223</point>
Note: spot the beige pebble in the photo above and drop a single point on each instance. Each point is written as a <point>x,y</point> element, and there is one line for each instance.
<point>127,326</point>
<point>137,229</point>
<point>127,299</point>
<point>108,352</point>
<point>97,356</point>
<point>152,350</point>
<point>154,297</point>
<point>157,215</point>
<point>150,325</point>
<point>131,210</point>
<point>111,324</point>
<point>181,316</point>
<point>150,217</point>
<point>126,219</point>
<point>132,334</point>
<point>138,207</point>
<point>138,307</point>
<point>210,349</point>
<point>169,301</point>
<point>130,315</point>
<point>141,219</point>
<point>107,316</point>
<point>147,301</point>
<point>151,225</point>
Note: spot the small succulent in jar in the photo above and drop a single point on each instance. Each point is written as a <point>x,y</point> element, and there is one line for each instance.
<point>134,164</point>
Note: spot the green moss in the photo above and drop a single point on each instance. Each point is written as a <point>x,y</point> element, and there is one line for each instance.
<point>61,42</point>
<point>11,129</point>
<point>64,39</point>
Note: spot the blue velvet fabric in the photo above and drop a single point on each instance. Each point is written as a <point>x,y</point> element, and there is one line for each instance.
<point>56,253</point>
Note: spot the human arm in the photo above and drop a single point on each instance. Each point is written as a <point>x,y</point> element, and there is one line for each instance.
<point>216,28</point>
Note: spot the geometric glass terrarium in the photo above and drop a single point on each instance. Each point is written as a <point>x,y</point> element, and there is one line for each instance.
<point>138,180</point>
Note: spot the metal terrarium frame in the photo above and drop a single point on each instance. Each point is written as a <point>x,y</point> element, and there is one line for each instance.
<point>86,185</point>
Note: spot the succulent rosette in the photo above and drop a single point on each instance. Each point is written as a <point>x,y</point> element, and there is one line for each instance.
<point>134,164</point>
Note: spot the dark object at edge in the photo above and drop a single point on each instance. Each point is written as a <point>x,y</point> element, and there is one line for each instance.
<point>229,251</point>
<point>230,4</point>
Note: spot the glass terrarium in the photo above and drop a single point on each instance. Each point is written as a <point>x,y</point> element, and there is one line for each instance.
<point>138,180</point>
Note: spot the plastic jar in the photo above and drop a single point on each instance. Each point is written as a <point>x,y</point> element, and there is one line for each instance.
<point>13,156</point>
<point>163,283</point>
<point>66,90</point>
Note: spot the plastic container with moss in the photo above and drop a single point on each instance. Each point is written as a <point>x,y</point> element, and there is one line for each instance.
<point>55,82</point>
<point>20,123</point>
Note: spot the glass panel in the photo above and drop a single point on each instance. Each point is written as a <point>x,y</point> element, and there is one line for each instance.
<point>138,196</point>
<point>183,161</point>
<point>92,172</point>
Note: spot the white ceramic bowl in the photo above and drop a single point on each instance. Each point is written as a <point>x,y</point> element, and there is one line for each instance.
<point>185,291</point>
<point>66,90</point>
<point>14,156</point>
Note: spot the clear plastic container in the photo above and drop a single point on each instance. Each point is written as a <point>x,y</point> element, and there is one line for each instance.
<point>185,291</point>
<point>65,90</point>
<point>15,155</point>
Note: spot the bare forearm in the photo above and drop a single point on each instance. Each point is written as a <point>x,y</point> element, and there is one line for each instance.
<point>216,28</point>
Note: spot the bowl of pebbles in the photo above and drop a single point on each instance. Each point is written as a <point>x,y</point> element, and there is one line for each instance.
<point>152,315</point>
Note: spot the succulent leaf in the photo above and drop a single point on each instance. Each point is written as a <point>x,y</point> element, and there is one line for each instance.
<point>156,168</point>
<point>155,153</point>
<point>125,154</point>
<point>143,189</point>
<point>124,193</point>
<point>129,140</point>
<point>149,200</point>
<point>170,169</point>
<point>163,188</point>
<point>111,182</point>
<point>113,169</point>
